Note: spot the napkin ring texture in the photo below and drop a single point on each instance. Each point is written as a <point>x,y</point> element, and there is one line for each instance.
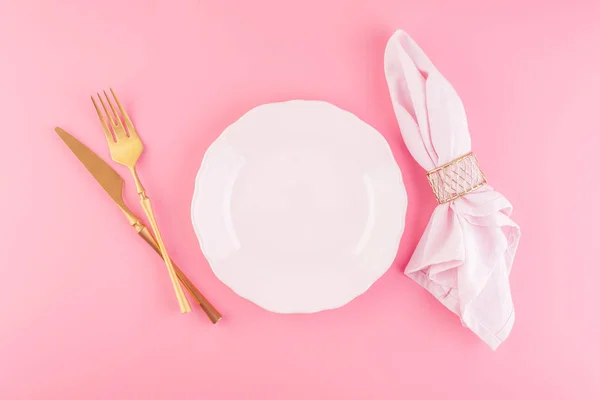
<point>456,178</point>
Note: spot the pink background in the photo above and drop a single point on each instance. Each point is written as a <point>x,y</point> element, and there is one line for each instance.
<point>86,309</point>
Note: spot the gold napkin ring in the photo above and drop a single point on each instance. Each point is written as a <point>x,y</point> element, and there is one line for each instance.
<point>456,178</point>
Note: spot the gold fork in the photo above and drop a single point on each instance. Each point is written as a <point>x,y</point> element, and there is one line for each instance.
<point>125,148</point>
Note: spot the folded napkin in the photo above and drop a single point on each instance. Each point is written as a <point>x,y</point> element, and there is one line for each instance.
<point>466,253</point>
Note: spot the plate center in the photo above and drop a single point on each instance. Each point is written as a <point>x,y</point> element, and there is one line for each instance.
<point>290,205</point>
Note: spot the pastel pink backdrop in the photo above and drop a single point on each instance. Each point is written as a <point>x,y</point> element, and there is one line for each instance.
<point>87,311</point>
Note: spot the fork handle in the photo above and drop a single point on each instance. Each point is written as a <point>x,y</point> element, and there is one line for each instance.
<point>184,305</point>
<point>213,314</point>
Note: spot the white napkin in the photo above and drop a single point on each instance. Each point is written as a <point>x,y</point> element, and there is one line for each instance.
<point>466,253</point>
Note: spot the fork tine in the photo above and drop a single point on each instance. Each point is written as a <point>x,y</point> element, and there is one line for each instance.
<point>107,132</point>
<point>108,114</point>
<point>126,119</point>
<point>119,129</point>
<point>112,108</point>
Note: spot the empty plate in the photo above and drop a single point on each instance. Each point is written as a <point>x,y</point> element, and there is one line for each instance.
<point>299,206</point>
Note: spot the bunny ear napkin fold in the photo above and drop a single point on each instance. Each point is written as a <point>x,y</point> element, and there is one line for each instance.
<point>466,253</point>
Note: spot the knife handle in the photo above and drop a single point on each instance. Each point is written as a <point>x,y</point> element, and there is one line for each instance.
<point>208,308</point>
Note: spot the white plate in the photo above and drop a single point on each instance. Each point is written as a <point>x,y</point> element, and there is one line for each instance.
<point>299,206</point>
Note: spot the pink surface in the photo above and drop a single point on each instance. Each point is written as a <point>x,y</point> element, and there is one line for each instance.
<point>87,311</point>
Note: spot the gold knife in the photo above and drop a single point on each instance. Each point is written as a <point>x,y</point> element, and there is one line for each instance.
<point>112,183</point>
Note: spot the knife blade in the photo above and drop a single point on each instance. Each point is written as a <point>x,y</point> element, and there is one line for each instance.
<point>105,175</point>
<point>112,183</point>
